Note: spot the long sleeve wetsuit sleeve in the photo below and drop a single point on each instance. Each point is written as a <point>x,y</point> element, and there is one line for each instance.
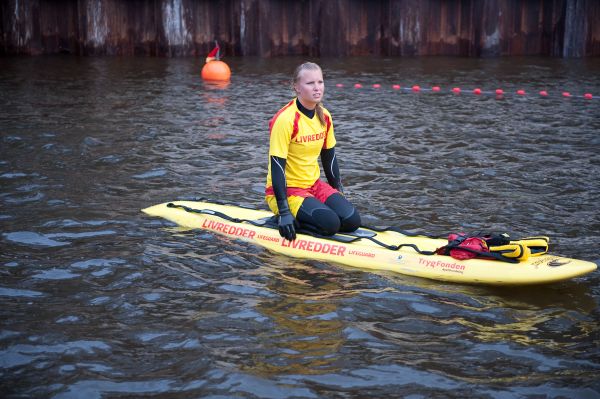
<point>331,168</point>
<point>279,183</point>
<point>286,221</point>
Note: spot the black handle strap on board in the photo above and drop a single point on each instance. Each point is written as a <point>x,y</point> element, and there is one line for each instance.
<point>399,230</point>
<point>397,247</point>
<point>259,223</point>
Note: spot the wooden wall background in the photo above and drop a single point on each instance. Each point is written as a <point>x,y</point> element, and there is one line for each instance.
<point>563,28</point>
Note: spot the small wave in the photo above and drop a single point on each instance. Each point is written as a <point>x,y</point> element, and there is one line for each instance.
<point>85,234</point>
<point>151,174</point>
<point>86,264</point>
<point>55,274</point>
<point>96,389</point>
<point>110,159</point>
<point>14,175</point>
<point>19,355</point>
<point>76,223</point>
<point>31,198</point>
<point>31,238</point>
<point>68,319</point>
<point>13,292</point>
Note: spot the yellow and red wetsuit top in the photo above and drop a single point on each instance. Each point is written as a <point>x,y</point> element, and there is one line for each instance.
<point>299,139</point>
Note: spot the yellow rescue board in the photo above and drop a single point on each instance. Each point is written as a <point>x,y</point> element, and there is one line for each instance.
<point>366,254</point>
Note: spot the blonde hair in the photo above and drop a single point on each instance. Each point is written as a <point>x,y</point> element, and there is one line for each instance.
<point>313,67</point>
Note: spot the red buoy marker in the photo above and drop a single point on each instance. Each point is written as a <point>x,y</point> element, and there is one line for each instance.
<point>415,88</point>
<point>216,70</point>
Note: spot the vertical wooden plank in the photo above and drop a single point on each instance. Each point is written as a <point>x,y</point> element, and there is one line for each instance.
<point>575,28</point>
<point>491,34</point>
<point>592,38</point>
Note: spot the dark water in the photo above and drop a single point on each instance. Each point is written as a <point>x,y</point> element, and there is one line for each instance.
<point>99,301</point>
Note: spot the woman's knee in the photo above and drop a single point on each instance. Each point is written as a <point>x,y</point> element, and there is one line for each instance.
<point>315,215</point>
<point>327,221</point>
<point>347,213</point>
<point>350,223</point>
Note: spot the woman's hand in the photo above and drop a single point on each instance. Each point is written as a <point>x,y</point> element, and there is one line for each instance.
<point>287,225</point>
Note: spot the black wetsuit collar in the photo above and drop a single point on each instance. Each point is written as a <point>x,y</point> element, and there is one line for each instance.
<point>308,112</point>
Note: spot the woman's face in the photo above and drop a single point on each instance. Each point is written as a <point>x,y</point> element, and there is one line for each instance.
<point>310,87</point>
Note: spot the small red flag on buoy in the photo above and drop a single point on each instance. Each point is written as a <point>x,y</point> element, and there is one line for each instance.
<point>215,54</point>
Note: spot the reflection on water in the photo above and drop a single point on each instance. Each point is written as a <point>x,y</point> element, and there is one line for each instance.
<point>100,301</point>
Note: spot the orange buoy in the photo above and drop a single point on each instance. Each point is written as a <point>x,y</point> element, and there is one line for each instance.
<point>216,70</point>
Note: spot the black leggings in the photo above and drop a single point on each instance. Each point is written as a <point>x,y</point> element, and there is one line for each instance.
<point>337,214</point>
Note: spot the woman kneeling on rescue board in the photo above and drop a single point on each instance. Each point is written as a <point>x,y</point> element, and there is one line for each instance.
<point>299,133</point>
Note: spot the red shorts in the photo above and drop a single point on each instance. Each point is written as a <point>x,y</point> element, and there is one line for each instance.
<point>320,190</point>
